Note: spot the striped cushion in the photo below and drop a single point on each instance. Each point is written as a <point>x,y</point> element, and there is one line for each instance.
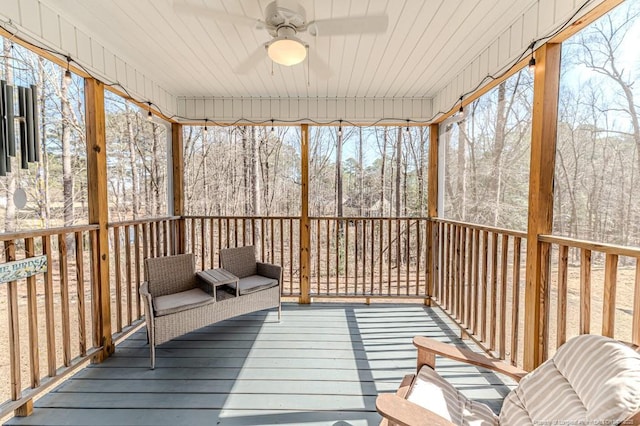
<point>432,392</point>
<point>590,380</point>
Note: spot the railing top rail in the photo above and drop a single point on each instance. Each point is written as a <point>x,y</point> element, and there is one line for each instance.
<point>240,217</point>
<point>510,232</point>
<point>140,221</point>
<point>367,218</point>
<point>590,245</point>
<point>35,233</point>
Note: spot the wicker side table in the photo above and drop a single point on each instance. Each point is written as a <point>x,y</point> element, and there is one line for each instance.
<point>217,277</point>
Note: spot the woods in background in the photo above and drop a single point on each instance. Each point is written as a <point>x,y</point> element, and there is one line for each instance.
<point>357,171</point>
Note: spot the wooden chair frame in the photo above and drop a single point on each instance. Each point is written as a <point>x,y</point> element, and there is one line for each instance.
<point>396,410</point>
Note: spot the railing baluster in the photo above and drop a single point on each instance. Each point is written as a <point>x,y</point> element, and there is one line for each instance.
<point>494,290</point>
<point>212,244</point>
<point>463,276</point>
<point>381,253</point>
<point>145,247</point>
<point>49,308</point>
<point>136,242</point>
<point>563,261</point>
<point>291,257</point>
<point>372,269</point>
<point>503,296</point>
<point>635,332</point>
<point>64,299</point>
<point>127,254</point>
<point>14,327</point>
<point>585,291</point>
<point>118,277</point>
<point>337,224</point>
<point>485,277</point>
<point>356,242</point>
<point>318,254</point>
<point>82,335</point>
<point>364,256</point>
<point>346,254</point>
<point>32,313</point>
<point>476,279</point>
<point>469,284</point>
<point>609,298</point>
<point>515,300</point>
<point>202,244</point>
<point>389,256</point>
<point>327,261</point>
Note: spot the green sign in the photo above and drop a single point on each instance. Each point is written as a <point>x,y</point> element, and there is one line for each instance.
<point>12,271</point>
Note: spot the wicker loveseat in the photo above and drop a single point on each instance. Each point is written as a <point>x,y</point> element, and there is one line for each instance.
<point>177,302</point>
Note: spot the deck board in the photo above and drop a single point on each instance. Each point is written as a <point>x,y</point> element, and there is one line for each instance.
<point>323,364</point>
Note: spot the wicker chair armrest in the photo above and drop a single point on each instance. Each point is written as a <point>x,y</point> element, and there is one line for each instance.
<point>429,348</point>
<point>270,271</point>
<point>148,300</point>
<point>401,412</point>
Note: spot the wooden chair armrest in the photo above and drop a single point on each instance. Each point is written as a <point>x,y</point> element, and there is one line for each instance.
<point>434,347</point>
<point>404,413</point>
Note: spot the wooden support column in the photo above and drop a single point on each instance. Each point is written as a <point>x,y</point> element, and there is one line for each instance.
<point>305,230</point>
<point>542,166</point>
<point>177,160</point>
<point>432,211</point>
<point>98,211</point>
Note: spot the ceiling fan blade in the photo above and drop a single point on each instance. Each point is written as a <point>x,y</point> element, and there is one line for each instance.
<point>319,66</point>
<point>252,60</point>
<point>199,11</point>
<point>351,25</point>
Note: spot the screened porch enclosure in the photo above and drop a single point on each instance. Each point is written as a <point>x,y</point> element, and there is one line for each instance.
<point>506,222</point>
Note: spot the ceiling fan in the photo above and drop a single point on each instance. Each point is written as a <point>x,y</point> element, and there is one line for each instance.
<point>284,20</point>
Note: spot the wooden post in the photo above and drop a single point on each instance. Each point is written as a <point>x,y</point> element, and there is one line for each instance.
<point>305,231</point>
<point>177,160</point>
<point>98,212</point>
<point>432,211</point>
<point>542,166</point>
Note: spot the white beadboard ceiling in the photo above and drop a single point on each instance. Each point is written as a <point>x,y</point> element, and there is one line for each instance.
<point>427,46</point>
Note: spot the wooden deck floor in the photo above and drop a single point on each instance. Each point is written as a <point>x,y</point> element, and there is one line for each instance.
<point>323,364</point>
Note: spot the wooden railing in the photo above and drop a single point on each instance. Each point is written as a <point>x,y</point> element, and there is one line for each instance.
<point>479,275</point>
<point>368,257</point>
<point>56,307</point>
<point>595,288</point>
<point>474,273</point>
<point>276,240</point>
<point>131,243</point>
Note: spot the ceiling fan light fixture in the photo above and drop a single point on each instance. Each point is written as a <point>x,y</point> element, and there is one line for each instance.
<point>287,50</point>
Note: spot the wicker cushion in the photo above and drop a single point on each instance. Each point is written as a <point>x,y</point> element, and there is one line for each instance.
<point>240,261</point>
<point>590,380</point>
<point>170,274</point>
<point>172,303</point>
<point>255,283</point>
<point>432,392</point>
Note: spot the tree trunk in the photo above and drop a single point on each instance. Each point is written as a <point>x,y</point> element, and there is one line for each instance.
<point>339,206</point>
<point>498,148</point>
<point>10,213</point>
<point>360,176</point>
<point>132,162</point>
<point>398,170</point>
<point>67,172</point>
<point>255,175</point>
<point>43,166</point>
<point>385,139</point>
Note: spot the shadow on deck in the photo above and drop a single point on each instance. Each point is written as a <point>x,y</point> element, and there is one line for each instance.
<point>323,364</point>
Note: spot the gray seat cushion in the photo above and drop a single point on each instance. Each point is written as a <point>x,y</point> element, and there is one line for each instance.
<point>172,303</point>
<point>254,283</point>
